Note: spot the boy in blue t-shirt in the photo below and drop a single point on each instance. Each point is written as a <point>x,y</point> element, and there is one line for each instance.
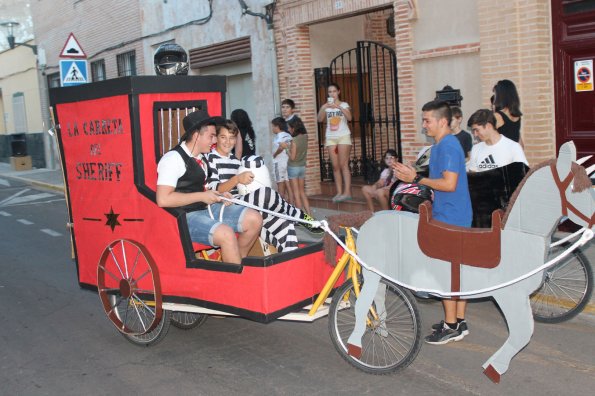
<point>452,203</point>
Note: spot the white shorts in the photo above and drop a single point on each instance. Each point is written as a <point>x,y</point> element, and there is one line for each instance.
<point>333,141</point>
<point>280,172</point>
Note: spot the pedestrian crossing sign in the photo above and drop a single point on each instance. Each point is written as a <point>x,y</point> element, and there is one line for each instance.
<point>73,72</point>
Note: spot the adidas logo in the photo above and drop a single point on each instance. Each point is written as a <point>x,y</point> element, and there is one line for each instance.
<point>488,163</point>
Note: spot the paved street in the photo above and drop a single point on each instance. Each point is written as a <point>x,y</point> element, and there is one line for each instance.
<point>55,338</point>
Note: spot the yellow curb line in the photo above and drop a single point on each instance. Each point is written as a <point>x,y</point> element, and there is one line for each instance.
<point>49,186</point>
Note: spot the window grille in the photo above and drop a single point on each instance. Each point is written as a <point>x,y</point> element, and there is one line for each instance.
<point>20,115</point>
<point>53,80</point>
<point>126,64</point>
<point>98,70</point>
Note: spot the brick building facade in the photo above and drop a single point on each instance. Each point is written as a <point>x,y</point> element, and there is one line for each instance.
<point>467,44</point>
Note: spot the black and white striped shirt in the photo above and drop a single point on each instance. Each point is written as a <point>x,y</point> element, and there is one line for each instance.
<point>221,170</point>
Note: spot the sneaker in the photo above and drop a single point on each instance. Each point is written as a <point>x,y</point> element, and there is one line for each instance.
<point>462,327</point>
<point>444,336</point>
<point>309,227</point>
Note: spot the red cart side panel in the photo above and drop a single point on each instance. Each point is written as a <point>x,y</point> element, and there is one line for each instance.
<point>96,142</point>
<point>259,289</point>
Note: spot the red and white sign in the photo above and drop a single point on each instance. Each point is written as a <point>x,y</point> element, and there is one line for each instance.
<point>72,48</point>
<point>583,75</point>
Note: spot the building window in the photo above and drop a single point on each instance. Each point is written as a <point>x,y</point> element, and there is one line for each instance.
<point>53,80</point>
<point>18,110</point>
<point>98,70</point>
<point>578,6</point>
<point>126,64</point>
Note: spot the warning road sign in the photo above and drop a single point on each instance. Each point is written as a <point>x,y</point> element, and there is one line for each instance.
<point>73,72</point>
<point>583,75</point>
<point>72,48</point>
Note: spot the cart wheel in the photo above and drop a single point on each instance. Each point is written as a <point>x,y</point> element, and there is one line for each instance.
<point>130,292</point>
<point>566,289</point>
<point>187,320</point>
<point>390,343</point>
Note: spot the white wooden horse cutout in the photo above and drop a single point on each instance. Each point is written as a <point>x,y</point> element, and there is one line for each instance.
<point>452,259</point>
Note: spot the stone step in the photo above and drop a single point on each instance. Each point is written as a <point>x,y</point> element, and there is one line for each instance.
<point>326,202</point>
<point>328,189</point>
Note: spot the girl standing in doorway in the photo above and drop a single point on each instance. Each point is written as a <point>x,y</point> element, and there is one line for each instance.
<point>507,110</point>
<point>338,140</point>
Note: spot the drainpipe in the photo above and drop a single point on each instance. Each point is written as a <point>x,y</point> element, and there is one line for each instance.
<point>268,18</point>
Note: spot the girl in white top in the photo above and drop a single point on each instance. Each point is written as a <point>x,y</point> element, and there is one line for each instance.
<point>338,140</point>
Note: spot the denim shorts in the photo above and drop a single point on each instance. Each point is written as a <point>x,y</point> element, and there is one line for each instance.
<point>296,172</point>
<point>202,226</point>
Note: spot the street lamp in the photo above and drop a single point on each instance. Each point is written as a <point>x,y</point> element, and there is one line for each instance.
<point>10,36</point>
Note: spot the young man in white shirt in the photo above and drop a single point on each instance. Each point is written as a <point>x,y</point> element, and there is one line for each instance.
<point>493,150</point>
<point>182,183</point>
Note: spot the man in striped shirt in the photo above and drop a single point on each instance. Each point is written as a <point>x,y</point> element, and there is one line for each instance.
<point>225,176</point>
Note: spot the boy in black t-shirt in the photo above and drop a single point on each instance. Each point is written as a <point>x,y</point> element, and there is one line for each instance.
<point>463,136</point>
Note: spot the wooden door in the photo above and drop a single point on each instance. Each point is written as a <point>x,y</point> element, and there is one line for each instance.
<point>573,33</point>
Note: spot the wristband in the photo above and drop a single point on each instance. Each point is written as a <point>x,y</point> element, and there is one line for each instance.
<point>417,179</point>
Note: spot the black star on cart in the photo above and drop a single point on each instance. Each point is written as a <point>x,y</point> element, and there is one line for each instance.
<point>112,219</point>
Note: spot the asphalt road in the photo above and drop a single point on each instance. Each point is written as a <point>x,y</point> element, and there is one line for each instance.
<point>55,338</point>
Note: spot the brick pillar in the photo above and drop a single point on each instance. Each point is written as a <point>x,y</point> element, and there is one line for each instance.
<point>411,141</point>
<point>296,80</point>
<point>516,44</point>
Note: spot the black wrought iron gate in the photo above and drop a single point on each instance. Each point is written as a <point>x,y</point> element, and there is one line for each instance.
<point>367,76</point>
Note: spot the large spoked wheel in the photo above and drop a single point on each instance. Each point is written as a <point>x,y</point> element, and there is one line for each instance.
<point>393,335</point>
<point>187,320</point>
<point>566,288</point>
<point>130,292</point>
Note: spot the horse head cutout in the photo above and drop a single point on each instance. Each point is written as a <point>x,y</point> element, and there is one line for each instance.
<point>576,192</point>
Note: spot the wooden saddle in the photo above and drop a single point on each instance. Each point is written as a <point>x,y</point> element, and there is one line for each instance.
<point>477,247</point>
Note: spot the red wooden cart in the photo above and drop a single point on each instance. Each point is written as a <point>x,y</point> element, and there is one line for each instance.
<point>137,255</point>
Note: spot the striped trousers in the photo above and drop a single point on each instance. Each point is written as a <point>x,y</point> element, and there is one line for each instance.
<point>275,231</point>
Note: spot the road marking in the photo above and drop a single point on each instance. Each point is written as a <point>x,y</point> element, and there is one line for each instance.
<point>5,214</point>
<point>13,196</point>
<point>5,182</point>
<point>51,232</point>
<point>38,203</point>
<point>29,198</point>
<point>25,222</point>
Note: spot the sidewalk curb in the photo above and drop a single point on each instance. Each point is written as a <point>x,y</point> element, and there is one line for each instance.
<point>48,186</point>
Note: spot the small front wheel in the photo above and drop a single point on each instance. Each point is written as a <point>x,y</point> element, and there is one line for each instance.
<point>187,320</point>
<point>393,334</point>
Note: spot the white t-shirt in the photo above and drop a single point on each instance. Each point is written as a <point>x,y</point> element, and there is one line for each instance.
<point>485,157</point>
<point>172,166</point>
<point>281,137</point>
<point>336,123</point>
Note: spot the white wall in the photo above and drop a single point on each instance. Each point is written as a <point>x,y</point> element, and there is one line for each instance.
<point>460,72</point>
<point>329,39</point>
<point>442,23</point>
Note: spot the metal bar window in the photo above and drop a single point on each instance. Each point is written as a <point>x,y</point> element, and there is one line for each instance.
<point>126,64</point>
<point>53,80</point>
<point>19,113</point>
<point>98,70</point>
